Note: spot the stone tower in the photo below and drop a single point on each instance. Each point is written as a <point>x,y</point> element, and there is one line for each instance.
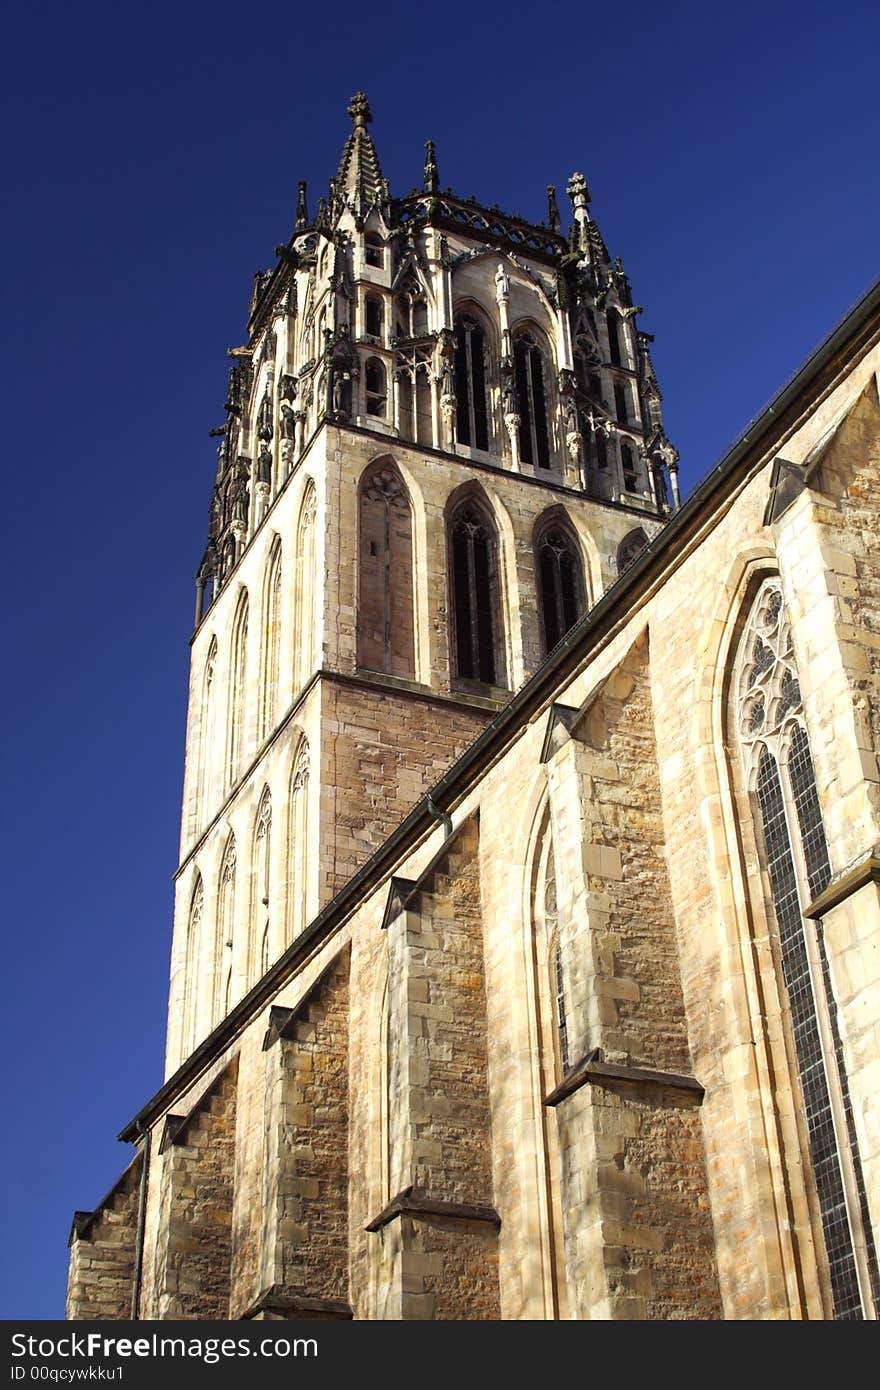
<point>443,439</point>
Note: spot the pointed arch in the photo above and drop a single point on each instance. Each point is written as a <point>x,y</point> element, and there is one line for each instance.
<point>474,373</point>
<point>386,604</point>
<point>475,601</point>
<point>298,848</point>
<point>191,978</point>
<point>532,367</point>
<point>271,640</point>
<point>238,690</point>
<point>768,744</point>
<point>224,931</point>
<point>305,588</point>
<point>207,734</point>
<point>560,576</point>
<point>261,865</point>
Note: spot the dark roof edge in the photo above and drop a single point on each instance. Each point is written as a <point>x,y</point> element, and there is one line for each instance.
<point>817,373</point>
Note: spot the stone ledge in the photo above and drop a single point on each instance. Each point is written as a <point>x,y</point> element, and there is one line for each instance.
<point>414,1201</point>
<point>593,1071</point>
<point>278,1299</point>
<point>867,870</point>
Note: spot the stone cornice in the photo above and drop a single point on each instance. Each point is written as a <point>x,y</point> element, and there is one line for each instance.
<point>413,1201</point>
<point>593,1071</point>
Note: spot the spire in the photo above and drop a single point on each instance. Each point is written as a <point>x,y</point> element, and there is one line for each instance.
<point>432,176</point>
<point>302,208</point>
<point>359,183</point>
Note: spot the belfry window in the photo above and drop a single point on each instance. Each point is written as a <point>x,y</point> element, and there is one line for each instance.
<point>534,441</point>
<point>774,750</point>
<point>629,467</point>
<point>616,340</point>
<point>374,380</point>
<point>472,423</point>
<point>621,405</point>
<point>374,316</point>
<point>374,251</point>
<point>474,581</point>
<point>560,583</point>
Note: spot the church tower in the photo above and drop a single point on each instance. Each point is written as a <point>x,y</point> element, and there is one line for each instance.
<point>443,441</point>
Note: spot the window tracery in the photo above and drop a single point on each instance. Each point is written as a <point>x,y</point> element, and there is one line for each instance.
<point>560,583</point>
<point>476,607</point>
<point>777,766</point>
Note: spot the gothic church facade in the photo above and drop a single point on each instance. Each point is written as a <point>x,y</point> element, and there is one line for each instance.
<point>526,956</point>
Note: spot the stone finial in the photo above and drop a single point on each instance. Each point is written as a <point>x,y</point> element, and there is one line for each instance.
<point>359,110</point>
<point>553,220</point>
<point>302,208</point>
<point>579,193</point>
<point>432,176</point>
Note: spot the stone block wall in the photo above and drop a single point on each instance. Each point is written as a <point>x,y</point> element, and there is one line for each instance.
<point>102,1252</point>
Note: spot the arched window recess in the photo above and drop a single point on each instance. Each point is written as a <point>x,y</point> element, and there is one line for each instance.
<point>472,375</point>
<point>531,372</point>
<point>477,633</point>
<point>767,729</point>
<point>560,579</point>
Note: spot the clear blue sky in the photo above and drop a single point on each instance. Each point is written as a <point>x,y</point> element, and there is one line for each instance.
<point>152,167</point>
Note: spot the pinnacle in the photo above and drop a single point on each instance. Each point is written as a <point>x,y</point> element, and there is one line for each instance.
<point>359,182</point>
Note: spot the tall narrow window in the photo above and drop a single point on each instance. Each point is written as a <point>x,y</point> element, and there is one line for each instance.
<point>238,690</point>
<point>768,718</point>
<point>534,440</point>
<point>191,983</point>
<point>374,315</point>
<point>207,734</point>
<point>616,340</point>
<point>299,854</point>
<point>475,606</point>
<point>225,932</point>
<point>472,421</point>
<point>259,923</point>
<point>271,641</point>
<point>629,467</point>
<point>621,407</point>
<point>415,403</point>
<point>386,630</point>
<point>304,591</point>
<point>374,251</point>
<point>560,582</point>
<point>374,380</point>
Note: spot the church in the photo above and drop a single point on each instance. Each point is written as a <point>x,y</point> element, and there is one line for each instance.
<point>526,954</point>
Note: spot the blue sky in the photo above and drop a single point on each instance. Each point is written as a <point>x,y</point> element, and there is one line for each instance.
<point>152,167</point>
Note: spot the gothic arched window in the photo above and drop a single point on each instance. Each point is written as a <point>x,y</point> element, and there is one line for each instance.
<point>386,628</point>
<point>271,640</point>
<point>238,690</point>
<point>476,607</point>
<point>472,417</point>
<point>298,849</point>
<point>766,722</point>
<point>374,315</point>
<point>560,581</point>
<point>415,405</point>
<point>259,920</point>
<point>617,340</point>
<point>629,467</point>
<point>621,405</point>
<point>552,1002</point>
<point>376,390</point>
<point>531,395</point>
<point>207,733</point>
<point>304,590</point>
<point>225,931</point>
<point>411,310</point>
<point>191,973</point>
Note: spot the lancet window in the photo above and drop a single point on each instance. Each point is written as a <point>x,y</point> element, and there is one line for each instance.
<point>271,641</point>
<point>560,582</point>
<point>385,572</point>
<point>531,393</point>
<point>471,394</point>
<point>225,931</point>
<point>376,390</point>
<point>191,974</point>
<point>476,604</point>
<point>238,690</point>
<point>298,850</point>
<point>304,592</point>
<point>259,921</point>
<point>774,754</point>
